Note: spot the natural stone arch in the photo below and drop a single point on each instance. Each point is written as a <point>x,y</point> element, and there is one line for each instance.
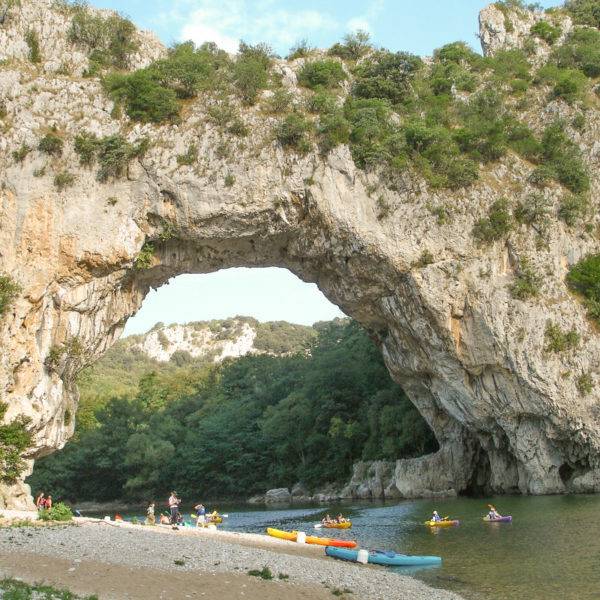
<point>80,280</point>
<point>470,356</point>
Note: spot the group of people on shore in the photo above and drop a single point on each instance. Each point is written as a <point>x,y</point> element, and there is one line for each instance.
<point>43,502</point>
<point>175,518</point>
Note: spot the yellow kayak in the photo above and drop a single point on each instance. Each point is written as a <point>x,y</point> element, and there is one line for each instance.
<point>441,523</point>
<point>310,539</point>
<point>333,525</point>
<point>284,535</point>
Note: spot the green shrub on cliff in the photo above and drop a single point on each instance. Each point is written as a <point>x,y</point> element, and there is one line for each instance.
<point>9,290</point>
<point>496,225</point>
<point>387,76</point>
<point>51,144</point>
<point>546,32</point>
<point>33,41</point>
<point>321,74</point>
<point>14,439</point>
<point>110,40</point>
<point>292,133</point>
<point>584,278</point>
<point>144,96</point>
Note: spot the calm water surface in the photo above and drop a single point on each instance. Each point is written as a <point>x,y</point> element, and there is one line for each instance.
<point>550,550</point>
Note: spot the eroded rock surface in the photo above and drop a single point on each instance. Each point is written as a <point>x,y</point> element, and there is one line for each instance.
<point>507,414</point>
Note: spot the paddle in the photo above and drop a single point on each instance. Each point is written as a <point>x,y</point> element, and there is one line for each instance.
<point>445,518</point>
<point>317,525</point>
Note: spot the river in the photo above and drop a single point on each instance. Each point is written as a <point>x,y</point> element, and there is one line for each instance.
<point>551,549</point>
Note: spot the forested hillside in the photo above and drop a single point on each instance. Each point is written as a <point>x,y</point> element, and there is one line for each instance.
<point>195,346</point>
<point>236,428</point>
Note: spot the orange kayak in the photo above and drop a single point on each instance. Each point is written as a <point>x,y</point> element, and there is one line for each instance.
<point>310,539</point>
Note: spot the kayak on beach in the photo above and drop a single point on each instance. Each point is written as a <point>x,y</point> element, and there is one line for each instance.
<point>292,536</point>
<point>442,523</point>
<point>377,557</point>
<point>498,519</point>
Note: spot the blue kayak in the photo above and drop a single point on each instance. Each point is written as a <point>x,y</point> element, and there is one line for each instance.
<point>377,557</point>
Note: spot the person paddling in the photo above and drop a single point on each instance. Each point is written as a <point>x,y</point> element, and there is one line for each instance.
<point>493,514</point>
<point>435,518</point>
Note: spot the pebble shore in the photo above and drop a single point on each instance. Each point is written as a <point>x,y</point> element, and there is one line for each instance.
<point>201,550</point>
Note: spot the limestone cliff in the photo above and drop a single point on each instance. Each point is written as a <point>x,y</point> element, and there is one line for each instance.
<point>508,414</point>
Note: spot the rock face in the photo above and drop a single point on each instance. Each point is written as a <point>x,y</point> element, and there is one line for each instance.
<point>162,343</point>
<point>507,414</point>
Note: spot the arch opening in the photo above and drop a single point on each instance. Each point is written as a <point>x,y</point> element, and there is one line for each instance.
<point>327,375</point>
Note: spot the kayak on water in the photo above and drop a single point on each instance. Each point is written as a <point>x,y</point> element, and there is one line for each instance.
<point>498,519</point>
<point>334,525</point>
<point>310,539</point>
<point>442,523</point>
<point>377,557</point>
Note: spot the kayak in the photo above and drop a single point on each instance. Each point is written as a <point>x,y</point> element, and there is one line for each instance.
<point>209,519</point>
<point>283,535</point>
<point>498,520</point>
<point>323,541</point>
<point>345,525</point>
<point>390,559</point>
<point>442,523</point>
<point>310,539</point>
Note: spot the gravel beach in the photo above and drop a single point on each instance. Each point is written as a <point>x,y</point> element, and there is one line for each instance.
<point>125,561</point>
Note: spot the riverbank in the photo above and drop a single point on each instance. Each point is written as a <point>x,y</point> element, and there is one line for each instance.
<point>124,561</point>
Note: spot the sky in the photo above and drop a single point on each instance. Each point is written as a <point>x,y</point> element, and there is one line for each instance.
<point>418,27</point>
<point>414,26</point>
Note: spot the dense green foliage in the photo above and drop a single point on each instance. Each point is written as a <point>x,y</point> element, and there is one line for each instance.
<point>584,12</point>
<point>110,39</point>
<point>14,439</point>
<point>59,512</point>
<point>240,427</point>
<point>117,373</point>
<point>144,95</point>
<point>443,119</point>
<point>321,74</point>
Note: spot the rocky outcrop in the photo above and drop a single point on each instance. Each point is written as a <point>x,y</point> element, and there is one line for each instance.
<point>163,342</point>
<point>503,27</point>
<point>278,496</point>
<point>507,414</point>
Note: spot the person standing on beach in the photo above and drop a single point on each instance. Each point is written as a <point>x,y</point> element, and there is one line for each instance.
<point>174,502</point>
<point>40,501</point>
<point>200,512</point>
